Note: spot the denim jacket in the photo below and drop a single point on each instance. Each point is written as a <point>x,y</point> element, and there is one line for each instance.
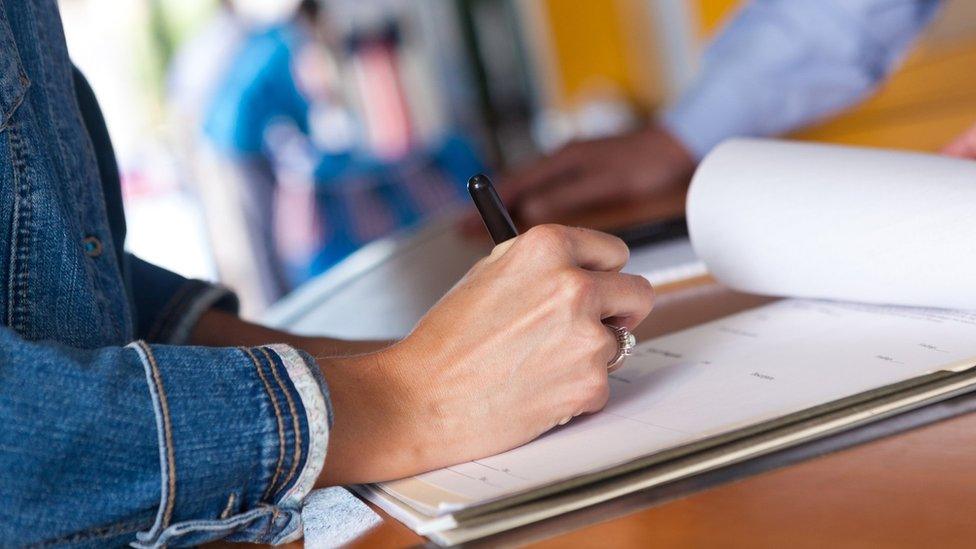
<point>112,431</point>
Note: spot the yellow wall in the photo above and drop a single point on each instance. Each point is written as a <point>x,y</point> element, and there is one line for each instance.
<point>598,45</point>
<point>925,104</point>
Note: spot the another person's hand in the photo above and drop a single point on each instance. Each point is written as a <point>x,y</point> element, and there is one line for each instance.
<point>587,174</point>
<point>963,146</point>
<point>517,347</point>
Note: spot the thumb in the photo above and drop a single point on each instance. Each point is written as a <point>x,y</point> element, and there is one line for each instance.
<point>499,250</point>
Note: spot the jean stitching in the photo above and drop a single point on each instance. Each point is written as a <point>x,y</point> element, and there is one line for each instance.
<point>279,420</point>
<point>296,423</point>
<point>229,508</point>
<point>168,310</point>
<point>14,230</point>
<point>9,115</point>
<point>227,526</point>
<point>272,522</point>
<point>167,434</point>
<point>17,279</point>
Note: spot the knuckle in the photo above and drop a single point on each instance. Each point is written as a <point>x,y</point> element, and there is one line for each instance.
<point>640,292</point>
<point>577,286</point>
<point>644,288</point>
<point>598,343</point>
<point>647,291</point>
<point>547,237</point>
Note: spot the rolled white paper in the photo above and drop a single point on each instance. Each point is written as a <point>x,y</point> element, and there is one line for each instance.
<point>823,221</point>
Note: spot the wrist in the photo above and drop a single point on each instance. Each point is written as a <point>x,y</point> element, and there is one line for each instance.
<point>415,438</point>
<point>327,347</point>
<point>378,431</point>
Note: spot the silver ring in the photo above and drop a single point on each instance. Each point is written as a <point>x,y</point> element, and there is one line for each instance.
<point>625,346</point>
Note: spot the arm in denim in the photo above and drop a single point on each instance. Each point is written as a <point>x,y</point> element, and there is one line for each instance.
<point>781,64</point>
<point>168,306</point>
<point>178,444</point>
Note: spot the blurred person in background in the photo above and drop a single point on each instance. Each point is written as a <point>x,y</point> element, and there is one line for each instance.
<point>137,408</point>
<point>199,65</point>
<point>777,66</point>
<point>258,88</point>
<point>285,138</point>
<point>364,179</point>
<point>194,73</point>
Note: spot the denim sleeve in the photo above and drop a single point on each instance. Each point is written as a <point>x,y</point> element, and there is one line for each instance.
<point>168,306</point>
<point>156,444</point>
<point>782,64</point>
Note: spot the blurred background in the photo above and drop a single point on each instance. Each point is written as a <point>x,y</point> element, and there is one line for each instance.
<point>261,142</point>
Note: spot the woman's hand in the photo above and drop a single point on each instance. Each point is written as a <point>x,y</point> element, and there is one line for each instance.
<point>517,347</point>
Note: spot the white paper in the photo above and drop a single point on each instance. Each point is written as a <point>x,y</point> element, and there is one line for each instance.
<point>665,262</point>
<point>730,373</point>
<point>845,223</point>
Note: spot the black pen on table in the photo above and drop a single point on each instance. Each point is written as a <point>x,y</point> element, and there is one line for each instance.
<point>493,212</point>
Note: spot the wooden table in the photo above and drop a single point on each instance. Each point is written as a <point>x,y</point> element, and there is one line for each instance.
<point>915,489</point>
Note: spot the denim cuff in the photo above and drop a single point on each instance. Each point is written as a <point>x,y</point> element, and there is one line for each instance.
<point>242,438</point>
<point>168,306</point>
<point>177,318</point>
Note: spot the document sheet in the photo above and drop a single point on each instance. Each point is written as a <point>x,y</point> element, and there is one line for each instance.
<point>824,221</point>
<point>734,372</point>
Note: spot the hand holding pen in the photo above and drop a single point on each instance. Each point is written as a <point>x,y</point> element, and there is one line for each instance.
<point>501,228</point>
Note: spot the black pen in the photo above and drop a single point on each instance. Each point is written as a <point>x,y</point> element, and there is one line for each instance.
<point>493,212</point>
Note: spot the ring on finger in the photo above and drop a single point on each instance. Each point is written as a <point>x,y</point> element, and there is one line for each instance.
<point>625,346</point>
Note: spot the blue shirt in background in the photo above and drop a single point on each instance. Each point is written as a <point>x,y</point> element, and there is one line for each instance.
<point>782,64</point>
<point>258,87</point>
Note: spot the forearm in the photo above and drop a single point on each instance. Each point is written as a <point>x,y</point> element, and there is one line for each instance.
<point>374,436</point>
<point>219,329</point>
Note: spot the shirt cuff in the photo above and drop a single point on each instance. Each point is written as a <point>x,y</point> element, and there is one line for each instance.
<point>711,112</point>
<point>314,394</point>
<point>242,436</point>
<point>184,309</point>
<point>167,306</point>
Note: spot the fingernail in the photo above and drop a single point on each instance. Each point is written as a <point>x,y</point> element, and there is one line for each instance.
<point>565,420</point>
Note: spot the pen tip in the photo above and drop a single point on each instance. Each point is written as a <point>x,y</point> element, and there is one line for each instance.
<point>479,181</point>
